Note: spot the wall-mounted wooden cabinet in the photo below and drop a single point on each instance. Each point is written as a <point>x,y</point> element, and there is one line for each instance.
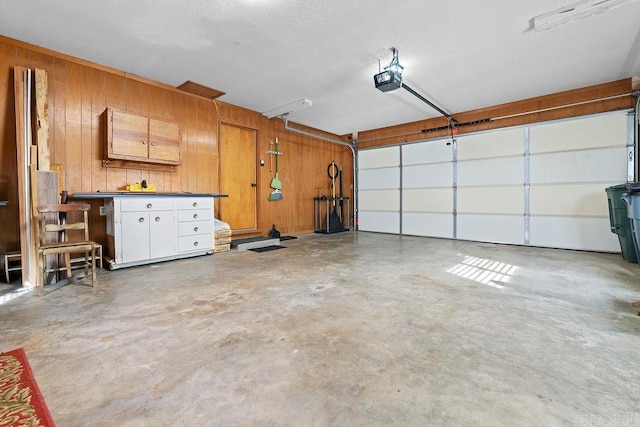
<point>142,139</point>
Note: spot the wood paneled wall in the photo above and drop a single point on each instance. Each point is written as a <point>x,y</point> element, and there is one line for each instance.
<point>80,91</point>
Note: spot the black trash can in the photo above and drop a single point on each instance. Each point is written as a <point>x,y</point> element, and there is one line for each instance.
<point>620,222</point>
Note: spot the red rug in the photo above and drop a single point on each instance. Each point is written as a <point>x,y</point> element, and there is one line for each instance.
<point>21,403</point>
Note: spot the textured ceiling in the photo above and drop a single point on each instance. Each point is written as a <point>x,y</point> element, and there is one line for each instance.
<point>461,55</point>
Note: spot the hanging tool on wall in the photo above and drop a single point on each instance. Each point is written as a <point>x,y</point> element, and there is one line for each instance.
<point>335,223</point>
<point>276,184</point>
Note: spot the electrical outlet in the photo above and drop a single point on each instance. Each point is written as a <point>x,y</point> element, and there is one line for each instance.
<point>103,210</point>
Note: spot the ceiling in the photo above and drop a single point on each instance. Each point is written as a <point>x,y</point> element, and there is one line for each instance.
<point>461,55</point>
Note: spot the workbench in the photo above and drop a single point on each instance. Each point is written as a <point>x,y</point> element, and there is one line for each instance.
<point>146,227</point>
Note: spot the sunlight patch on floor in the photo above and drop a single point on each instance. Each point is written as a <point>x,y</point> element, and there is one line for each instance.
<point>485,271</point>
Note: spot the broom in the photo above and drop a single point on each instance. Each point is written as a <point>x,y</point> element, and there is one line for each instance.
<point>276,194</point>
<point>275,182</point>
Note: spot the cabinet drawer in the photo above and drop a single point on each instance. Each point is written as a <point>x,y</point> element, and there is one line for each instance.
<point>195,243</point>
<point>147,204</point>
<point>195,215</point>
<point>195,203</point>
<point>195,227</point>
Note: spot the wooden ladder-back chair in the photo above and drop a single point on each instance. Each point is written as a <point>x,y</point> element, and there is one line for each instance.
<point>48,218</point>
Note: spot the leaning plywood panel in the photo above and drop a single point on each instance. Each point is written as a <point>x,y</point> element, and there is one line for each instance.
<point>22,87</point>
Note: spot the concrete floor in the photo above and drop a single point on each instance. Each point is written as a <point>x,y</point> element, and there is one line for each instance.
<point>350,329</point>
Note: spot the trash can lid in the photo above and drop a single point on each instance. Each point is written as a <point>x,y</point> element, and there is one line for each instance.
<point>618,187</point>
<point>633,187</point>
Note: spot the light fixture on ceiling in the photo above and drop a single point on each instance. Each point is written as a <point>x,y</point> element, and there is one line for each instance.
<point>391,79</point>
<point>298,105</point>
<point>574,12</point>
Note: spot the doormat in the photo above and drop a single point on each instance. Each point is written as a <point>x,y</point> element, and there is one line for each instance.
<point>21,402</point>
<point>283,238</point>
<point>267,248</point>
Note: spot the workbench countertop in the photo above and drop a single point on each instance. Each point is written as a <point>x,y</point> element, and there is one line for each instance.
<point>109,194</point>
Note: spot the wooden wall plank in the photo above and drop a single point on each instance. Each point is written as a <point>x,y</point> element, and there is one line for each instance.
<point>203,149</point>
<point>98,105</point>
<point>173,110</point>
<point>73,129</point>
<point>59,100</point>
<point>190,172</point>
<point>86,132</point>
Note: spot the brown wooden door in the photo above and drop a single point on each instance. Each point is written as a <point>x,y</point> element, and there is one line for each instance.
<point>238,177</point>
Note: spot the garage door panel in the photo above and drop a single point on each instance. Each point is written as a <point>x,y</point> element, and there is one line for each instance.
<point>428,176</point>
<point>508,142</point>
<point>500,171</point>
<point>428,224</point>
<point>379,200</point>
<point>379,158</point>
<point>491,228</point>
<point>382,222</point>
<point>607,130</point>
<point>427,152</point>
<point>573,233</point>
<point>377,179</point>
<point>609,164</point>
<point>497,199</point>
<point>428,200</point>
<point>570,200</point>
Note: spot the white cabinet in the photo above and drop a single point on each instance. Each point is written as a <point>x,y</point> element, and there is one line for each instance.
<point>142,229</point>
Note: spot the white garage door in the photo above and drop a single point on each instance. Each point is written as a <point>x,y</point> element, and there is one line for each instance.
<point>540,185</point>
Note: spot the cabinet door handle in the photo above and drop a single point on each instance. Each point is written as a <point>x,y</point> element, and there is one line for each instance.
<point>153,144</point>
<point>157,219</point>
<point>144,142</point>
<point>141,220</point>
<point>149,205</point>
<point>195,216</point>
<point>195,229</point>
<point>195,243</point>
<point>195,204</point>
